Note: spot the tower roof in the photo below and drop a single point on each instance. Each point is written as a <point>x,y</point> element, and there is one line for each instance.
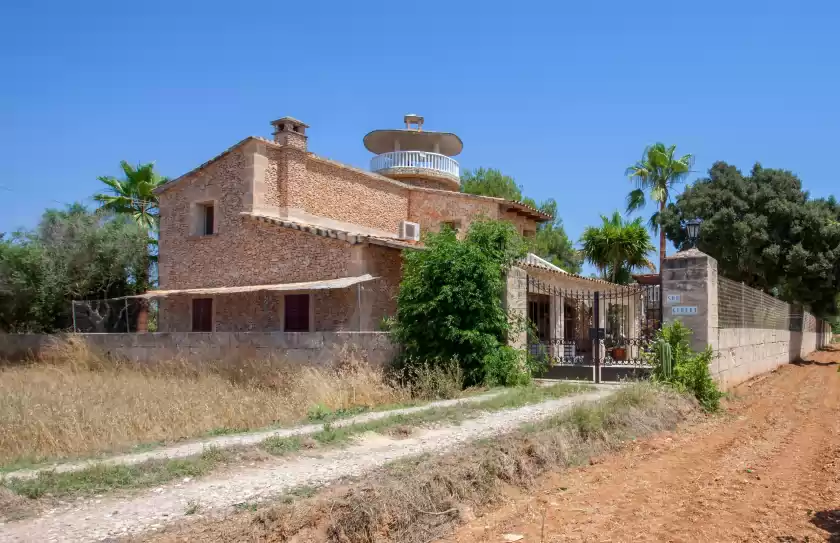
<point>413,138</point>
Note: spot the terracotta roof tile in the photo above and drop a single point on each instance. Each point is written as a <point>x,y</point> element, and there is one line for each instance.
<point>343,235</point>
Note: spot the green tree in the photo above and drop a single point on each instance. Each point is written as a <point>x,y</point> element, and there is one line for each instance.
<point>551,241</point>
<point>766,231</point>
<point>73,254</point>
<point>656,175</point>
<point>617,247</point>
<point>449,305</point>
<point>490,182</point>
<point>134,196</point>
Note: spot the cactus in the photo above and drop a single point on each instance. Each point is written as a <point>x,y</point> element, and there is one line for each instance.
<point>666,358</point>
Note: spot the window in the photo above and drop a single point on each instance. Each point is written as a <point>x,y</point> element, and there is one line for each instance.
<point>454,225</point>
<point>296,313</point>
<point>529,233</point>
<point>208,219</point>
<point>202,315</point>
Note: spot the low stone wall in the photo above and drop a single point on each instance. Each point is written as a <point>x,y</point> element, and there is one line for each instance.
<point>743,353</point>
<point>296,347</point>
<point>691,290</point>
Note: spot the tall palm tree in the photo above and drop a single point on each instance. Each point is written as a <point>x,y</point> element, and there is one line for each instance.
<point>617,247</point>
<point>134,194</point>
<point>656,174</point>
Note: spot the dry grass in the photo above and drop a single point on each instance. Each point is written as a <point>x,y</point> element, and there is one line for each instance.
<point>74,402</point>
<point>421,500</point>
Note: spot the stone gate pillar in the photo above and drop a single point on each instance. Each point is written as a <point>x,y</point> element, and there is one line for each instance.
<point>516,304</point>
<point>690,295</point>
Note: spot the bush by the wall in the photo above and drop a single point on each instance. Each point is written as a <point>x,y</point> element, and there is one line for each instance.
<point>676,364</point>
<point>450,304</point>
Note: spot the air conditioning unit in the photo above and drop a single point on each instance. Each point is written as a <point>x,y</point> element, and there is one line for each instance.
<point>410,231</point>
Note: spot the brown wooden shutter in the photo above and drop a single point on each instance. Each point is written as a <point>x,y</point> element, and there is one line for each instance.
<point>202,315</point>
<point>296,313</point>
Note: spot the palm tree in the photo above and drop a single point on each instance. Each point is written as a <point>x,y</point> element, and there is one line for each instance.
<point>617,247</point>
<point>134,195</point>
<point>657,173</point>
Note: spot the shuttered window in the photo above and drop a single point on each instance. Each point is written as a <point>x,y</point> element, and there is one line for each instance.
<point>296,313</point>
<point>202,315</point>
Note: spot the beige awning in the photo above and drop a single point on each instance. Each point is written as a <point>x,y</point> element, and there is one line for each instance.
<point>343,282</point>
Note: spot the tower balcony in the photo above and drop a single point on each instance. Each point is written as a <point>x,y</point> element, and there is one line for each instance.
<point>412,163</point>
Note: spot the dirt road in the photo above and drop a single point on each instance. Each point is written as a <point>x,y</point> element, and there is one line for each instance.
<point>766,470</point>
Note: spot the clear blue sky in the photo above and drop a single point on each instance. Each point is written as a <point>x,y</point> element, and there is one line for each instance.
<point>560,95</point>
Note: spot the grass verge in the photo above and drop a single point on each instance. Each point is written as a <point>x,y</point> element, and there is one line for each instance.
<point>423,499</point>
<point>102,477</point>
<point>332,436</point>
<point>77,403</point>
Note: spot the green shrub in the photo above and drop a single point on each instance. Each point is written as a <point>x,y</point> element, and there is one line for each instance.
<point>506,366</point>
<point>676,364</point>
<point>439,381</point>
<point>450,306</point>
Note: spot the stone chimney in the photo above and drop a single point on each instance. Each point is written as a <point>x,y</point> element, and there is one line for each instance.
<point>290,131</point>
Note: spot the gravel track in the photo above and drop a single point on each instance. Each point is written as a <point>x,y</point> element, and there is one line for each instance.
<point>98,519</point>
<point>191,448</point>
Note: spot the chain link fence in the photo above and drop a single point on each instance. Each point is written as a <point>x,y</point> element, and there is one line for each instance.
<point>740,306</point>
<point>114,315</point>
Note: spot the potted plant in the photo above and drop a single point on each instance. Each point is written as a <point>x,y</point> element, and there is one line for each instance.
<point>617,349</point>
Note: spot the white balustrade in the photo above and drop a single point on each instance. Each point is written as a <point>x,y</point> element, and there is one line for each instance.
<point>415,159</point>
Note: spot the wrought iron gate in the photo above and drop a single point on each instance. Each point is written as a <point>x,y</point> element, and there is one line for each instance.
<point>599,335</point>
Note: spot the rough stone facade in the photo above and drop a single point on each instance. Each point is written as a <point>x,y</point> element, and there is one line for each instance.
<point>431,209</point>
<point>350,196</point>
<point>281,179</point>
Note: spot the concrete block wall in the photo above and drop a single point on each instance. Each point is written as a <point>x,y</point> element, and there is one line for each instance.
<point>740,353</point>
<point>296,347</point>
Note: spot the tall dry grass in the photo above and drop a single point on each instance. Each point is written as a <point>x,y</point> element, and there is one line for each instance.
<point>75,402</point>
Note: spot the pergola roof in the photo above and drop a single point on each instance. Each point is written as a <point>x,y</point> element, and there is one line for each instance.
<point>326,284</point>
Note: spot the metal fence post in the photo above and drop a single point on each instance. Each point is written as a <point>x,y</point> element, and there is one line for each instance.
<point>596,341</point>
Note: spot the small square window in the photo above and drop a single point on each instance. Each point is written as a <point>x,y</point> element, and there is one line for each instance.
<point>296,313</point>
<point>529,233</point>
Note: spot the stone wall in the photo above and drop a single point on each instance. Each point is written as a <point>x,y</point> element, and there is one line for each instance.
<point>430,209</point>
<point>690,283</point>
<point>332,190</point>
<point>742,353</point>
<point>241,251</point>
<point>296,347</point>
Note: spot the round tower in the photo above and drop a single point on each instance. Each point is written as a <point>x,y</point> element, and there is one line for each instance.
<point>415,156</point>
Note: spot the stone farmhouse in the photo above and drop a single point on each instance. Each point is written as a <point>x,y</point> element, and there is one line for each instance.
<point>267,236</point>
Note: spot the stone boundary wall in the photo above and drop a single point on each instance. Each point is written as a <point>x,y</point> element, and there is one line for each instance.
<point>690,282</point>
<point>296,347</point>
